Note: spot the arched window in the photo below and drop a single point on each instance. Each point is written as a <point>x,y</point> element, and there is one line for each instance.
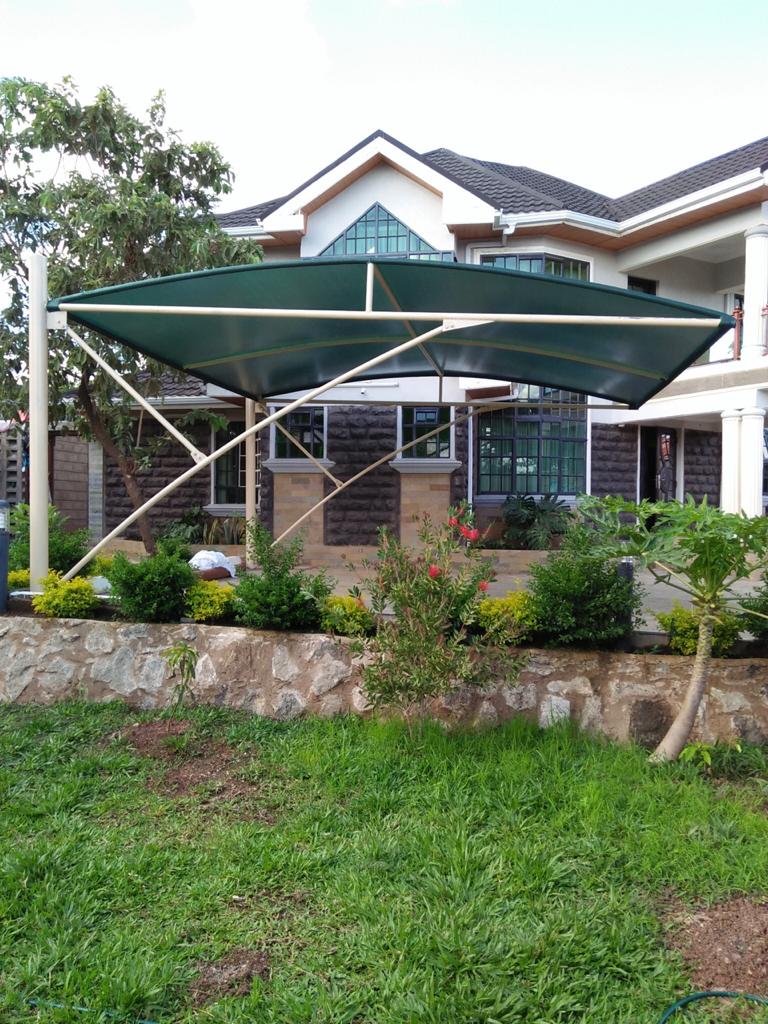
<point>378,233</point>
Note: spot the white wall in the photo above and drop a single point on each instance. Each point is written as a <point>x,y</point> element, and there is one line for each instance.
<point>413,204</point>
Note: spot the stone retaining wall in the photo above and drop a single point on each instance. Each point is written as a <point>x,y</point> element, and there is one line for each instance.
<point>285,675</point>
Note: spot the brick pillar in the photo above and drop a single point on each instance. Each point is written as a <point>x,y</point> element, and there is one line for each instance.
<point>296,491</point>
<point>420,493</point>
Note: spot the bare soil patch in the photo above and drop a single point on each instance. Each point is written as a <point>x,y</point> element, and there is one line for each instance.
<point>231,975</point>
<point>155,739</point>
<point>204,768</point>
<point>725,946</point>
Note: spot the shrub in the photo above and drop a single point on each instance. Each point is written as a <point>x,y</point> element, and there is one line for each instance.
<point>65,547</point>
<point>282,596</point>
<point>757,624</point>
<point>18,579</point>
<point>531,523</point>
<point>682,625</point>
<point>515,614</point>
<point>101,565</point>
<point>346,616</point>
<point>65,599</point>
<point>153,590</point>
<point>208,602</point>
<point>188,528</point>
<point>578,596</point>
<point>174,547</point>
<point>425,648</point>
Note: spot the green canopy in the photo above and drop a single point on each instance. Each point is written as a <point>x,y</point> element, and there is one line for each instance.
<point>263,356</point>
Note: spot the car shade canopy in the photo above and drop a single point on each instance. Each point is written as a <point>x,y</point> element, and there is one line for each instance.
<point>266,329</point>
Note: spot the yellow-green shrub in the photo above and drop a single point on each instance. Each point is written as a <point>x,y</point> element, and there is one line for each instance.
<point>682,625</point>
<point>346,616</point>
<point>207,601</point>
<point>512,618</point>
<point>99,566</point>
<point>66,599</point>
<point>18,579</point>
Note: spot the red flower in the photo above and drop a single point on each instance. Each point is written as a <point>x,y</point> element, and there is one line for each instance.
<point>473,535</point>
<point>453,521</point>
<point>465,532</point>
<point>434,571</point>
<point>482,585</point>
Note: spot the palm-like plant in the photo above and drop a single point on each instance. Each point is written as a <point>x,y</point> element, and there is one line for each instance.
<point>696,549</point>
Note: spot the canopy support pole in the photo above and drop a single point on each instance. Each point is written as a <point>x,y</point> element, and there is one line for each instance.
<point>385,458</point>
<point>196,454</point>
<point>38,421</point>
<point>208,460</point>
<point>250,479</point>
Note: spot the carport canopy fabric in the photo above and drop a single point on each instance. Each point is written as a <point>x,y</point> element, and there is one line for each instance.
<point>266,329</point>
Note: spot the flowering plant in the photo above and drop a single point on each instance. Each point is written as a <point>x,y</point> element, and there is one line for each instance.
<point>425,602</point>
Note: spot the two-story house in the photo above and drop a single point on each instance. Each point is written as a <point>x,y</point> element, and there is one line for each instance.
<point>700,236</point>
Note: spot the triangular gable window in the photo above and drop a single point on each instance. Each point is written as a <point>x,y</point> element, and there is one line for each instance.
<point>378,233</point>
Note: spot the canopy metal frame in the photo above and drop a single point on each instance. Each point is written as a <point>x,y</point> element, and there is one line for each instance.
<point>40,322</point>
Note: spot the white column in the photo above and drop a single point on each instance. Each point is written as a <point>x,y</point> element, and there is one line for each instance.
<point>250,476</point>
<point>755,293</point>
<point>38,420</point>
<point>751,461</point>
<point>731,455</point>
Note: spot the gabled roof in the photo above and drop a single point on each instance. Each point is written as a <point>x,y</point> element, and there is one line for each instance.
<point>520,189</point>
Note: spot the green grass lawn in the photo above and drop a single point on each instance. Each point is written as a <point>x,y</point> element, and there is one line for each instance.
<point>505,877</point>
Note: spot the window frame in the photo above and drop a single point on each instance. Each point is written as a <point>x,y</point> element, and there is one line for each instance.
<point>476,252</point>
<point>297,463</point>
<point>514,438</point>
<point>428,254</point>
<point>403,439</point>
<point>221,508</point>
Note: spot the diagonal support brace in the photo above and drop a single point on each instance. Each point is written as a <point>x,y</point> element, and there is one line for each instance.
<point>196,454</point>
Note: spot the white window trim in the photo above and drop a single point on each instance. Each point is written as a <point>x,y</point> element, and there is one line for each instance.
<point>437,464</point>
<point>298,464</point>
<point>534,248</point>
<point>221,510</point>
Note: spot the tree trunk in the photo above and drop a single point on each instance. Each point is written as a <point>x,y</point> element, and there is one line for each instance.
<point>132,485</point>
<point>677,736</point>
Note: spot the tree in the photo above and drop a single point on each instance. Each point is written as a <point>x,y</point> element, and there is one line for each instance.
<point>700,551</point>
<point>108,197</point>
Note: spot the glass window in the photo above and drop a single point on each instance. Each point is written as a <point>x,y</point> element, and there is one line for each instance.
<point>307,426</point>
<point>641,284</point>
<point>536,449</point>
<point>378,233</point>
<point>418,421</point>
<point>539,263</point>
<point>229,470</point>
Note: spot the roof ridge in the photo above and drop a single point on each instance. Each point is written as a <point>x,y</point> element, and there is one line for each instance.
<point>546,174</point>
<point>495,174</point>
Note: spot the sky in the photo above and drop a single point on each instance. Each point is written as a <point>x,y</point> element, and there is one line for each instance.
<point>611,95</point>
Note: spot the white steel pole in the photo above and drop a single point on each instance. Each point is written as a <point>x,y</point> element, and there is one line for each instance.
<point>38,421</point>
<point>235,441</point>
<point>250,478</point>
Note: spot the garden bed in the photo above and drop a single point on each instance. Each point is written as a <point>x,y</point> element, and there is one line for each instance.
<point>286,675</point>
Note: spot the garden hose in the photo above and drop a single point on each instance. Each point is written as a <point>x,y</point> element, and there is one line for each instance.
<point>696,996</point>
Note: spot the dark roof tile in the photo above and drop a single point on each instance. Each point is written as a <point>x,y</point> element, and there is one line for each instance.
<point>519,189</point>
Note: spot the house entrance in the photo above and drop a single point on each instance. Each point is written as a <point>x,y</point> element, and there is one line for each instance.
<point>658,463</point>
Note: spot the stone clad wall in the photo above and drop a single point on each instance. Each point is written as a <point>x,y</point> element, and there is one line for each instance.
<point>702,465</point>
<point>357,437</point>
<point>285,675</point>
<point>614,461</point>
